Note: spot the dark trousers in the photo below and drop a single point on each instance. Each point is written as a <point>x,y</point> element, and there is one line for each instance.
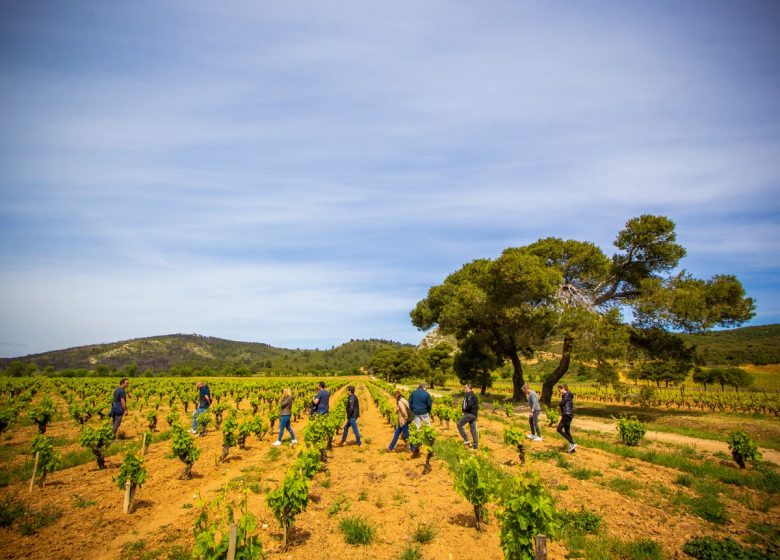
<point>534,422</point>
<point>117,422</point>
<point>471,420</point>
<point>564,428</point>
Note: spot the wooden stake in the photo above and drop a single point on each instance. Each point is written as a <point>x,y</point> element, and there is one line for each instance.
<point>143,446</point>
<point>231,555</point>
<point>126,507</point>
<point>541,547</point>
<point>35,469</point>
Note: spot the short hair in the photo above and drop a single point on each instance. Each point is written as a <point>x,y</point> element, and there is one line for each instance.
<point>422,386</point>
<point>286,392</point>
<point>321,384</point>
<point>121,381</point>
<point>563,386</point>
<point>351,389</point>
<point>467,385</point>
<point>524,387</point>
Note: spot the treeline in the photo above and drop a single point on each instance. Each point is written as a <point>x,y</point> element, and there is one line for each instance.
<point>747,345</point>
<point>185,355</point>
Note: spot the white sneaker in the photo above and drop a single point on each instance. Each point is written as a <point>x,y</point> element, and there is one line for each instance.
<point>467,443</point>
<point>529,436</point>
<point>537,438</point>
<point>193,431</point>
<point>572,447</point>
<point>294,441</point>
<point>277,443</point>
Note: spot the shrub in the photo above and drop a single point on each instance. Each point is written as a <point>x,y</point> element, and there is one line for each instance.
<point>583,521</point>
<point>526,510</point>
<point>184,448</point>
<point>424,533</point>
<point>288,500</point>
<point>631,430</point>
<point>552,416</point>
<point>707,548</point>
<point>96,440</point>
<point>48,460</point>
<point>743,448</point>
<point>474,482</point>
<point>42,414</point>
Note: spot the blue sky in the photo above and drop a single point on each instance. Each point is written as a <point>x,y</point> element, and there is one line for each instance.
<point>301,173</point>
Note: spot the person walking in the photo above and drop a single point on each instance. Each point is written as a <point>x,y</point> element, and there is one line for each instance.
<point>533,416</point>
<point>353,413</point>
<point>119,405</point>
<point>320,404</point>
<point>470,408</point>
<point>285,411</point>
<point>405,416</point>
<point>204,402</point>
<point>421,403</point>
<point>567,414</point>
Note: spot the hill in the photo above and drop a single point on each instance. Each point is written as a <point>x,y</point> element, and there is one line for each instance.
<point>746,345</point>
<point>186,351</point>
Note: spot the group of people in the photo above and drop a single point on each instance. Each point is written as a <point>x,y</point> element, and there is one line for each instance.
<point>416,409</point>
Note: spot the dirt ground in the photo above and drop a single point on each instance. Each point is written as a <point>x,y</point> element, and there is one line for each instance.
<point>387,488</point>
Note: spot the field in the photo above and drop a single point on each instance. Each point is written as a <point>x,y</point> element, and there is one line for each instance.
<point>614,501</point>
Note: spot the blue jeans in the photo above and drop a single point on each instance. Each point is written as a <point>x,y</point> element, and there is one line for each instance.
<point>350,422</point>
<point>398,431</point>
<point>284,422</point>
<point>200,410</point>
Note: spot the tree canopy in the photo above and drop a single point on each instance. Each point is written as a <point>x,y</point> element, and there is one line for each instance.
<point>572,291</point>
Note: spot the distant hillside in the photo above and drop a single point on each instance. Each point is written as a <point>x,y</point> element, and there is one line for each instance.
<point>746,345</point>
<point>162,353</point>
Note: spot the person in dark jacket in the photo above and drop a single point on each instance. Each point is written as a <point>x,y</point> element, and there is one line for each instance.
<point>421,404</point>
<point>285,411</point>
<point>353,412</point>
<point>119,405</point>
<point>567,414</point>
<point>470,408</point>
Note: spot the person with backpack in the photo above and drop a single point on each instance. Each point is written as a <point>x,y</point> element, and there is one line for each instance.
<point>421,403</point>
<point>405,416</point>
<point>204,402</point>
<point>533,416</point>
<point>567,415</point>
<point>353,413</point>
<point>470,408</point>
<point>119,405</point>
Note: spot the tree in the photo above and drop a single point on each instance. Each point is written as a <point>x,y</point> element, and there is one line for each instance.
<point>564,288</point>
<point>440,360</point>
<point>394,364</point>
<point>475,362</point>
<point>508,305</point>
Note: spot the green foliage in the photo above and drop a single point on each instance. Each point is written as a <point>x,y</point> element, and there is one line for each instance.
<point>184,448</point>
<point>212,531</point>
<point>42,414</point>
<point>308,463</point>
<point>96,440</point>
<point>513,436</point>
<point>746,345</point>
<point>288,500</point>
<point>552,416</point>
<point>411,553</point>
<point>48,460</point>
<point>631,430</point>
<point>526,510</point>
<point>474,481</point>
<point>132,469</point>
<point>422,436</point>
<point>202,422</point>
<point>743,448</point>
<point>707,548</point>
<point>229,428</point>
<point>583,521</point>
<point>394,364</point>
<point>357,530</point>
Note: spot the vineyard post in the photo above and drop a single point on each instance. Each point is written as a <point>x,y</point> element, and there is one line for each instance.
<point>231,554</point>
<point>541,547</point>
<point>126,507</point>
<point>35,469</point>
<point>143,445</point>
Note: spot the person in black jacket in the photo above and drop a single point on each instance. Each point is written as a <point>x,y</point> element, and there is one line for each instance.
<point>353,412</point>
<point>567,414</point>
<point>470,408</point>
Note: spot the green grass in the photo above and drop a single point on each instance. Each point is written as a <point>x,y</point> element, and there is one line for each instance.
<point>342,503</point>
<point>357,530</point>
<point>583,473</point>
<point>411,553</point>
<point>424,533</point>
<point>624,486</point>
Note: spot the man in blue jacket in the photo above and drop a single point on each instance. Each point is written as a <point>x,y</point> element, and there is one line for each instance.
<point>421,403</point>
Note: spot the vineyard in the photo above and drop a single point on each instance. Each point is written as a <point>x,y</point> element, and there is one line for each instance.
<point>618,496</point>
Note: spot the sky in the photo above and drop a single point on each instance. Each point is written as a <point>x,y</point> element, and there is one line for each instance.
<point>301,173</point>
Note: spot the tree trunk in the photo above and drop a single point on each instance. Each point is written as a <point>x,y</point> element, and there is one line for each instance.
<point>560,371</point>
<point>517,377</point>
<point>483,389</point>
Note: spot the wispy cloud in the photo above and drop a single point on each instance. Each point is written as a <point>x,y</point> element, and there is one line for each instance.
<point>300,175</point>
